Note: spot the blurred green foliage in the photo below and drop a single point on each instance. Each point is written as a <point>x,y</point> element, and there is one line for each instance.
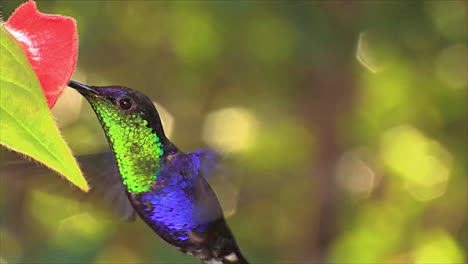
<point>345,124</point>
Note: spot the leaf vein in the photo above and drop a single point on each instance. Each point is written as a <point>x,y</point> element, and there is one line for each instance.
<point>32,134</point>
<point>21,62</point>
<point>18,85</point>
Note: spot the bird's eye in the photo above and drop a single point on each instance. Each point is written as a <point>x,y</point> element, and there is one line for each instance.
<point>125,103</point>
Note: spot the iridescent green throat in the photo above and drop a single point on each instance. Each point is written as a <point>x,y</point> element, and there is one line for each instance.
<point>137,149</point>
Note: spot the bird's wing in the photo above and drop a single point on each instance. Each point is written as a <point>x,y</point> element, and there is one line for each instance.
<point>99,169</point>
<point>214,168</point>
<point>217,244</point>
<point>209,161</point>
<point>212,190</point>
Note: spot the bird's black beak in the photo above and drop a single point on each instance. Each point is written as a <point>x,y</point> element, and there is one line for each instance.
<point>83,88</point>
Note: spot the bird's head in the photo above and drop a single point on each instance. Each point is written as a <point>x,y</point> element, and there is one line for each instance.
<point>121,106</point>
<point>134,131</point>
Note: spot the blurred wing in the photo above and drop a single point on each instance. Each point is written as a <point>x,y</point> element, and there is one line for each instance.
<point>216,172</point>
<point>99,169</point>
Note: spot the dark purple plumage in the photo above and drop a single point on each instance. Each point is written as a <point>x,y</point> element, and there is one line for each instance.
<point>184,211</point>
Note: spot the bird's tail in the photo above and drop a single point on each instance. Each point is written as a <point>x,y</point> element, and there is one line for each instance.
<point>232,258</point>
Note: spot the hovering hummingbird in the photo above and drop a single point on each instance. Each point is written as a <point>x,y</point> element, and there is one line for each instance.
<point>164,185</point>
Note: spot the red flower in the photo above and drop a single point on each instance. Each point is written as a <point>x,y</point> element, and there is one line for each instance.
<point>51,44</point>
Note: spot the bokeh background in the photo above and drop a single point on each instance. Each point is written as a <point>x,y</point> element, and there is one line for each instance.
<point>344,126</point>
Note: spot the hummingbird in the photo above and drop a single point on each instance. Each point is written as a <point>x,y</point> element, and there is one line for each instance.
<point>165,186</point>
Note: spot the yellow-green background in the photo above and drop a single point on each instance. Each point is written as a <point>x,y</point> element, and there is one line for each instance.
<point>344,125</point>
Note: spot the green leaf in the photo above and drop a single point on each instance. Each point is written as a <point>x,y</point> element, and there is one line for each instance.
<point>26,123</point>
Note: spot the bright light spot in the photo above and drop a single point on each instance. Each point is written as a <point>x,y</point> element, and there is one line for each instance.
<point>354,175</point>
<point>79,227</point>
<point>366,53</point>
<point>68,107</point>
<point>437,247</point>
<point>43,208</point>
<point>230,129</point>
<point>423,163</point>
<point>452,66</point>
<point>166,118</point>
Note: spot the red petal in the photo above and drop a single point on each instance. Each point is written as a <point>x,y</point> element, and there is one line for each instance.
<point>51,44</point>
